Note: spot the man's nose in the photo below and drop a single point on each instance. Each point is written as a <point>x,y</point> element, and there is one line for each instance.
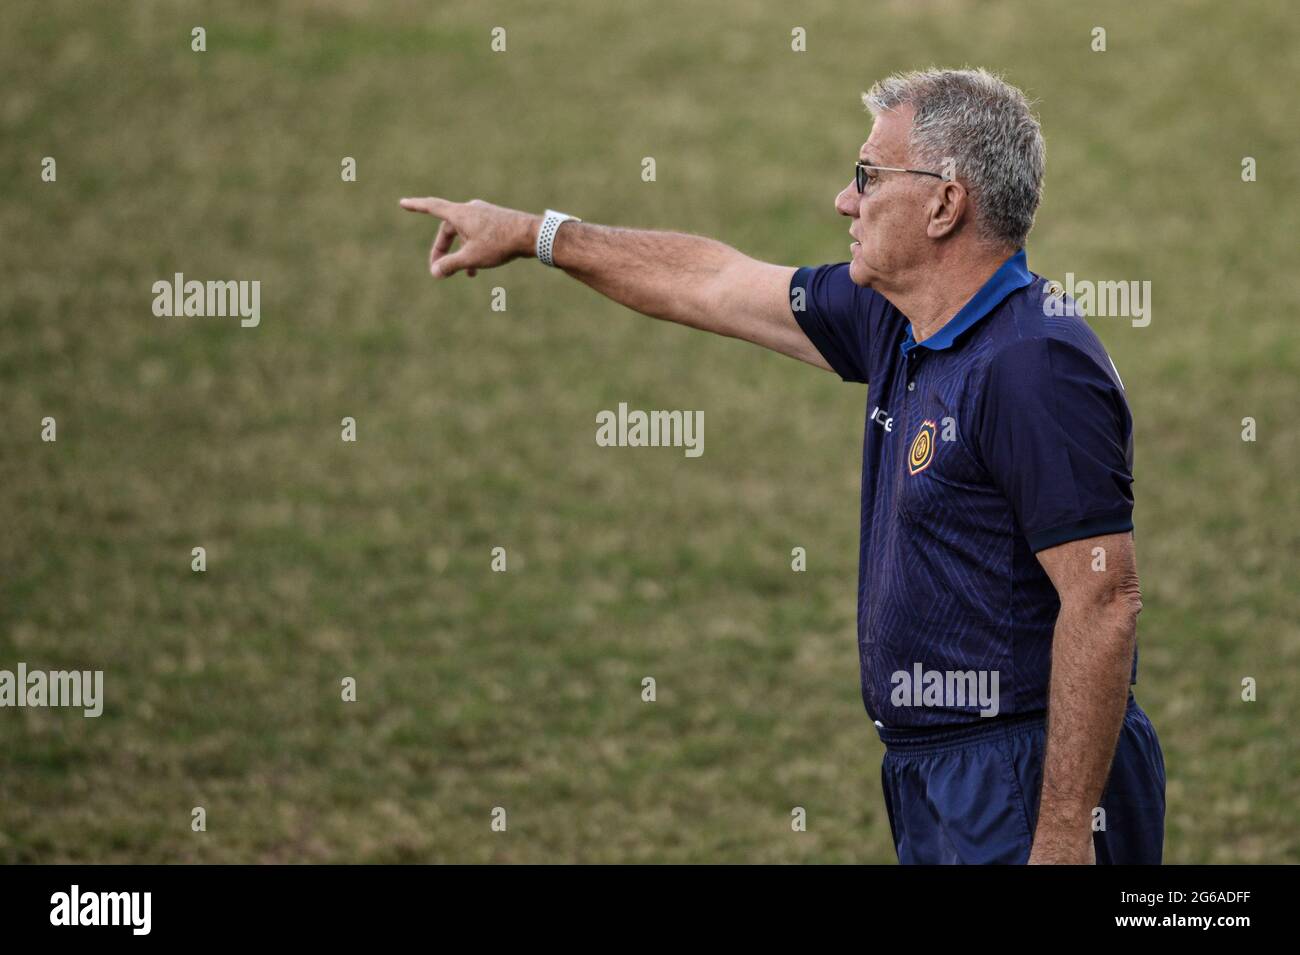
<point>846,203</point>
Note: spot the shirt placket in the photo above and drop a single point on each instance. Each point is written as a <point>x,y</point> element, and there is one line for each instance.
<point>911,416</point>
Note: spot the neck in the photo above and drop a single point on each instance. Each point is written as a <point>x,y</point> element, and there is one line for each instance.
<point>930,295</point>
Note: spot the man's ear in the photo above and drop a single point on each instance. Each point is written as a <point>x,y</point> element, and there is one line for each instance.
<point>946,209</point>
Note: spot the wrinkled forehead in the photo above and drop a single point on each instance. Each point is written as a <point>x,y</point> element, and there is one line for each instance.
<point>888,144</point>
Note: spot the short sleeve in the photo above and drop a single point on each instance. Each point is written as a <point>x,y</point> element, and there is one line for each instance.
<point>831,310</point>
<point>1055,433</point>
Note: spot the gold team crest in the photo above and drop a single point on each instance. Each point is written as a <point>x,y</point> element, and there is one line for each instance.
<point>918,459</point>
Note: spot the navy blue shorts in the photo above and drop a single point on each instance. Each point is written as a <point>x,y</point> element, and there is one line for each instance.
<point>970,794</point>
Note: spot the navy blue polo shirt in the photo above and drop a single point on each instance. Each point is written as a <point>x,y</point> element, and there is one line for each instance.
<point>1004,433</point>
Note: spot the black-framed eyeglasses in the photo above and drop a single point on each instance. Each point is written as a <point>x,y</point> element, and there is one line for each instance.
<point>861,166</point>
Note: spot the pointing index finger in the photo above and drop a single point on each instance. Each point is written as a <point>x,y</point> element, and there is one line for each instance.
<point>432,205</point>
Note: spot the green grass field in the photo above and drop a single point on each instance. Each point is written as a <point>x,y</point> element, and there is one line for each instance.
<point>476,428</point>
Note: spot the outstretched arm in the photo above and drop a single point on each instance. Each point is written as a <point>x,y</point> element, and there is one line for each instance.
<point>685,279</point>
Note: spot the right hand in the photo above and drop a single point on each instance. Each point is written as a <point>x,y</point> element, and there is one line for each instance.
<point>490,235</point>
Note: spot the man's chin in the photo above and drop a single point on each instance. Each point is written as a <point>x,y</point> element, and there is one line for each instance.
<point>859,273</point>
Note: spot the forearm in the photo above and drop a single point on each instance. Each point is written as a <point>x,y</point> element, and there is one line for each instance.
<point>667,275</point>
<point>1092,657</point>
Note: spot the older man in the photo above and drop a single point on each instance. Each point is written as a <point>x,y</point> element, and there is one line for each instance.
<point>997,593</point>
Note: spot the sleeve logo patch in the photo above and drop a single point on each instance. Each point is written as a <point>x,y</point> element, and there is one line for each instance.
<point>922,453</point>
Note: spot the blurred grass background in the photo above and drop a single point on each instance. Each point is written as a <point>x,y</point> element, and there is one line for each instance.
<point>476,428</point>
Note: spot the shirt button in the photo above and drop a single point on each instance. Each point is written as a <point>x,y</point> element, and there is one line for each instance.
<point>911,386</point>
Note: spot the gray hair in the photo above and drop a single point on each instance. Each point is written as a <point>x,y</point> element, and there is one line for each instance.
<point>985,127</point>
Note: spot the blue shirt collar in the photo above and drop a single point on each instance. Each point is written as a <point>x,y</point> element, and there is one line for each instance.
<point>1011,275</point>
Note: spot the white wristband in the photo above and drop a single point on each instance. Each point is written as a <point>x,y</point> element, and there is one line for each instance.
<point>551,223</point>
